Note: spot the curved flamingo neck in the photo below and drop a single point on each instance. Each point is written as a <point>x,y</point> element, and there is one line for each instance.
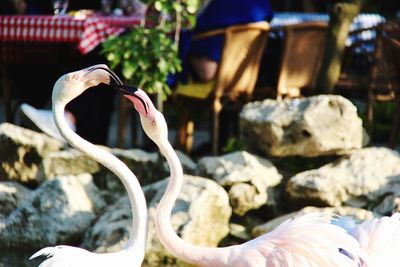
<point>197,255</point>
<point>138,232</point>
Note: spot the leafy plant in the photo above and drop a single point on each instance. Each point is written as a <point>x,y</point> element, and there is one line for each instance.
<point>147,55</point>
<point>233,144</point>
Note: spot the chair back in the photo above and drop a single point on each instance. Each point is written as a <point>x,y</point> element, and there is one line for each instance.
<point>236,77</point>
<point>385,70</point>
<point>241,55</point>
<point>301,57</point>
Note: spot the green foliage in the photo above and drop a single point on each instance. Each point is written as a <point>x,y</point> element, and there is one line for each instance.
<point>184,8</point>
<point>233,145</point>
<point>147,55</point>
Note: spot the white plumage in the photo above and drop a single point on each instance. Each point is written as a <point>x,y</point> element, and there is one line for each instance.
<point>66,88</point>
<point>380,238</point>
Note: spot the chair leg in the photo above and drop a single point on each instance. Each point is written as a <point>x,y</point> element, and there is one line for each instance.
<point>215,127</point>
<point>215,133</point>
<point>396,122</point>
<point>185,132</point>
<point>370,113</point>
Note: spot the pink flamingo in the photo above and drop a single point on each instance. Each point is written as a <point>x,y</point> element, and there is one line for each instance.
<point>380,238</point>
<point>309,240</point>
<point>66,88</point>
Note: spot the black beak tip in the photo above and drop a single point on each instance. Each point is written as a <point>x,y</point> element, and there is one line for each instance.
<point>114,83</point>
<point>125,89</point>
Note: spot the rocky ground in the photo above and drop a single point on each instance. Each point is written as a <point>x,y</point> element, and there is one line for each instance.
<point>301,156</point>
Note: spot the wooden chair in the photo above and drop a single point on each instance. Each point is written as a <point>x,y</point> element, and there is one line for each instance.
<point>371,69</point>
<point>303,48</point>
<point>234,83</point>
<point>386,70</point>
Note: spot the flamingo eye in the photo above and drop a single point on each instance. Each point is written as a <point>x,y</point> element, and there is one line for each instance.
<point>70,77</point>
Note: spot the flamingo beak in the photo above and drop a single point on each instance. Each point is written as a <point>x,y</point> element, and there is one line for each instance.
<point>114,79</point>
<point>134,94</point>
<point>126,89</point>
<point>140,100</point>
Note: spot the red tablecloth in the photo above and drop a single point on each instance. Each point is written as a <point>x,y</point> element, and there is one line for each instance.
<point>88,33</point>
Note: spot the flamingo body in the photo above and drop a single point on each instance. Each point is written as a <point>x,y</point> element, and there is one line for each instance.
<point>67,256</point>
<point>66,88</point>
<point>380,238</point>
<point>307,241</point>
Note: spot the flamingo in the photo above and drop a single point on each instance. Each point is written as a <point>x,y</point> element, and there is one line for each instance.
<point>380,238</point>
<point>66,88</point>
<point>309,240</point>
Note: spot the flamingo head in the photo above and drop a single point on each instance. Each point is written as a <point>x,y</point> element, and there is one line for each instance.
<point>153,122</point>
<point>72,84</point>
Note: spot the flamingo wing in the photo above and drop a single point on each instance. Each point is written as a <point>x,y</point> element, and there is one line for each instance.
<point>309,240</point>
<point>380,238</point>
<point>64,256</point>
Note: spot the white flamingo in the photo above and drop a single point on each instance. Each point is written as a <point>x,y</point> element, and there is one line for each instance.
<point>309,240</point>
<point>380,238</point>
<point>67,88</point>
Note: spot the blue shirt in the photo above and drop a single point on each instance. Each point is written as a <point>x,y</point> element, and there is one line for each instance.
<point>224,13</point>
<point>220,14</point>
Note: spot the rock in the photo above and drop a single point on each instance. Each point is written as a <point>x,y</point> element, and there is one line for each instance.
<point>11,195</point>
<point>22,152</point>
<point>240,232</point>
<point>146,166</point>
<point>389,205</point>
<point>58,212</point>
<point>111,231</point>
<point>250,180</point>
<point>313,126</point>
<point>360,179</point>
<point>188,165</point>
<point>68,162</point>
<point>355,213</point>
<point>200,216</point>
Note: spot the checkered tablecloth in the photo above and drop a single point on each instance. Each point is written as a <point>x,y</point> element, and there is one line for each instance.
<point>88,33</point>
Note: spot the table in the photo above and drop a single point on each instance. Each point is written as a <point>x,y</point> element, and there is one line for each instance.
<point>88,33</point>
<point>43,39</point>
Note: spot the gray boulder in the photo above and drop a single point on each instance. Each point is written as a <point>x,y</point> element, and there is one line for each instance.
<point>390,204</point>
<point>146,166</point>
<point>200,216</point>
<point>313,126</point>
<point>58,212</point>
<point>188,165</point>
<point>68,162</point>
<point>11,195</point>
<point>22,152</point>
<point>111,231</point>
<point>360,179</point>
<point>251,181</point>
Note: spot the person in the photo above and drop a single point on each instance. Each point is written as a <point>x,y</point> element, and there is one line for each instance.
<point>20,7</point>
<point>200,58</point>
